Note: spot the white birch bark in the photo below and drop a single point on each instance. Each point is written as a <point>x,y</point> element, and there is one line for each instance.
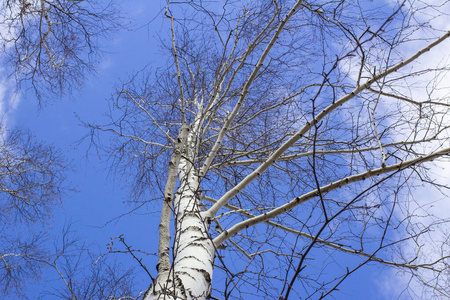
<point>190,274</point>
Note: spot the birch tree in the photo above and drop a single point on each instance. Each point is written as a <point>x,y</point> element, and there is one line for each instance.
<point>49,46</point>
<point>284,143</point>
<point>32,183</point>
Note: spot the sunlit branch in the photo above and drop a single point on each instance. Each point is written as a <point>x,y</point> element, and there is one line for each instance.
<point>278,104</point>
<point>225,68</point>
<point>419,104</point>
<point>177,63</point>
<point>336,246</point>
<point>424,281</point>
<point>325,189</point>
<point>245,89</point>
<point>291,157</point>
<point>375,130</point>
<point>277,154</point>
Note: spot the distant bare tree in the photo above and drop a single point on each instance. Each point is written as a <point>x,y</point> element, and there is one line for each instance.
<point>285,141</point>
<point>51,44</point>
<point>83,277</point>
<point>48,46</point>
<point>32,183</point>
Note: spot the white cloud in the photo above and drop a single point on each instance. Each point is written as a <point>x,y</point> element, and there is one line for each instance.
<point>9,100</point>
<point>9,97</point>
<point>433,86</point>
<point>427,199</point>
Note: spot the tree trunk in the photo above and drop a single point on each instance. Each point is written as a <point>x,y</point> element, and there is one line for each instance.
<point>193,251</point>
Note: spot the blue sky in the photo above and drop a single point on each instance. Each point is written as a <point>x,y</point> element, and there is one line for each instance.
<point>100,195</point>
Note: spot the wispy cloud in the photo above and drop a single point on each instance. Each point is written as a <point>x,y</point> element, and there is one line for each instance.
<point>9,96</point>
<point>424,205</point>
<point>426,201</point>
<point>9,99</point>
